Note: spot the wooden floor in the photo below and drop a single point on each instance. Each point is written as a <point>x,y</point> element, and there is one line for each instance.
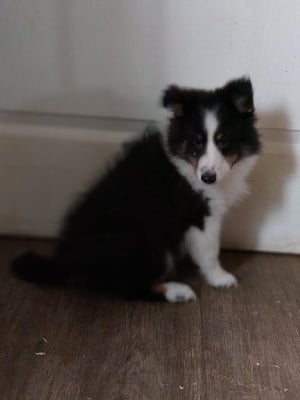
<point>238,344</point>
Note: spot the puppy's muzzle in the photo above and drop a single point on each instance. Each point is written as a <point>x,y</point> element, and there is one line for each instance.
<point>209,177</point>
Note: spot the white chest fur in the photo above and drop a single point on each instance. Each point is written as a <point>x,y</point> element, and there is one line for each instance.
<point>231,189</point>
<point>225,193</point>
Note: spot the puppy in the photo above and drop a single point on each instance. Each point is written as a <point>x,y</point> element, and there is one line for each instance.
<point>169,190</point>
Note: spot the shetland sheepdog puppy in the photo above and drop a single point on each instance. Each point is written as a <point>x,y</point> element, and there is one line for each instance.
<point>168,191</point>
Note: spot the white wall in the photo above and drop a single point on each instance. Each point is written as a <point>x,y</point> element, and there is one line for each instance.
<point>112,57</point>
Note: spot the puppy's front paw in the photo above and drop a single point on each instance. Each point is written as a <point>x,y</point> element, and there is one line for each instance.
<point>220,278</point>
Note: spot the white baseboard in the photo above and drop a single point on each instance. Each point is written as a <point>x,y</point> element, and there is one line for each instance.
<point>268,219</point>
<point>45,162</point>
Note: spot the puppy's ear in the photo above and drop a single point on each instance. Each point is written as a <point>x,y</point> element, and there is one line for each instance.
<point>173,98</point>
<point>240,93</point>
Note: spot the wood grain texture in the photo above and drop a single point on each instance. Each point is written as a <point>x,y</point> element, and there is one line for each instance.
<point>240,344</point>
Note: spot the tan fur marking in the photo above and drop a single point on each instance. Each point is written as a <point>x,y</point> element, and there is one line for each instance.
<point>158,288</point>
<point>233,159</point>
<point>193,162</point>
<point>182,153</point>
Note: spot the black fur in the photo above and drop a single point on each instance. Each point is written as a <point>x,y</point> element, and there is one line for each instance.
<point>117,236</point>
<point>235,111</point>
<point>119,233</point>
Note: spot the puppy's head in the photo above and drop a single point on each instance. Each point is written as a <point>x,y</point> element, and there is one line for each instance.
<point>213,131</point>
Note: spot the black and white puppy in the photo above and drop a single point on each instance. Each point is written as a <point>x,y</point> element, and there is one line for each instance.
<point>169,189</point>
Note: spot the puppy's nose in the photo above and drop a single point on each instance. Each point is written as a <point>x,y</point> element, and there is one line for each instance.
<point>209,177</point>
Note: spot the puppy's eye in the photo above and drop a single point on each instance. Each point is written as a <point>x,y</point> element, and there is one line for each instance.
<point>198,142</point>
<point>222,141</point>
<point>197,146</point>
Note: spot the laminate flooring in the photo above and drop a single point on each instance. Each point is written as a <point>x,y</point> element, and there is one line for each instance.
<point>236,344</point>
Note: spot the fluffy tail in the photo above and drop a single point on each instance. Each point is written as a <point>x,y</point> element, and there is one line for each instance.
<point>33,267</point>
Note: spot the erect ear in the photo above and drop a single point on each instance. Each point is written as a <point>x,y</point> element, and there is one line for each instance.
<point>239,92</point>
<point>173,98</point>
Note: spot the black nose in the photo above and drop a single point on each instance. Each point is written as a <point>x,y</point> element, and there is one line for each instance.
<point>209,177</point>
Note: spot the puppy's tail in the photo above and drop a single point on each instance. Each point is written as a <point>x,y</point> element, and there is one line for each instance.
<point>36,268</point>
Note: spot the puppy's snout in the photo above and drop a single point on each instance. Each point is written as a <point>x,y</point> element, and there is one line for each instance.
<point>209,177</point>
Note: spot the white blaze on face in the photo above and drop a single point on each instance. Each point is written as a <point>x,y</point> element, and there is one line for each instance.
<point>212,160</point>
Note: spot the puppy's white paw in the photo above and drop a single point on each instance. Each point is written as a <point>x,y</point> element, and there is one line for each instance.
<point>178,292</point>
<point>221,279</point>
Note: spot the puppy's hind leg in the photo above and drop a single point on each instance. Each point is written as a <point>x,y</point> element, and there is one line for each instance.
<point>173,292</point>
